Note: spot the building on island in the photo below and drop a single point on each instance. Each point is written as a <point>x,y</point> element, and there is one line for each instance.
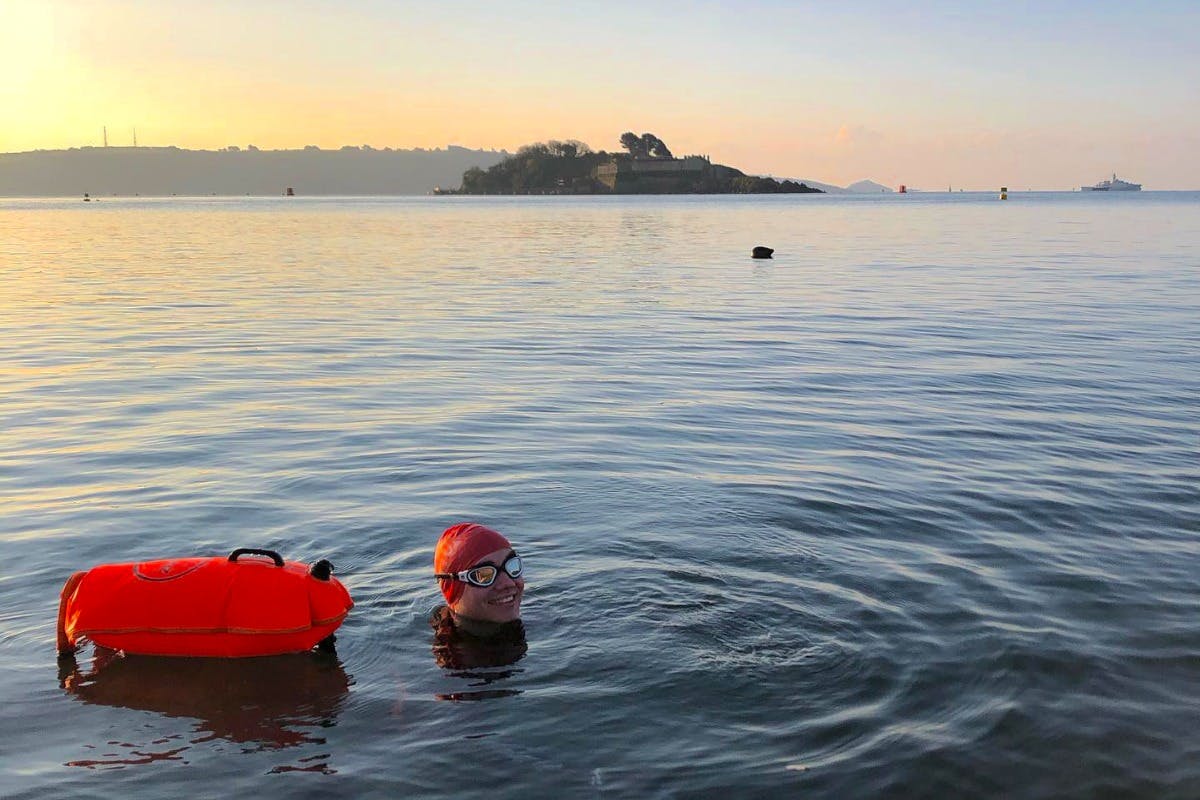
<point>657,174</point>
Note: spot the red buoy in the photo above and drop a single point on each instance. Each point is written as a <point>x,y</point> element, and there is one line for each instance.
<point>228,607</point>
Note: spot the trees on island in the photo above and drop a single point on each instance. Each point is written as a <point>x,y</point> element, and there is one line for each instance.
<point>560,167</point>
<point>645,146</point>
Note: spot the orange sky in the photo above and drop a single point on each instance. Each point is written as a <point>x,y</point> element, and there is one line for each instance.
<point>929,96</point>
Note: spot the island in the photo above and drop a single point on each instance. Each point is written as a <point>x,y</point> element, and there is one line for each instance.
<point>646,167</point>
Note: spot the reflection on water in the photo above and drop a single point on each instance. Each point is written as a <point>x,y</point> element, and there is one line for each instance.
<point>477,658</point>
<point>266,703</point>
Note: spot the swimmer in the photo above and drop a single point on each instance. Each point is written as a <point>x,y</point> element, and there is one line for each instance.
<point>481,577</point>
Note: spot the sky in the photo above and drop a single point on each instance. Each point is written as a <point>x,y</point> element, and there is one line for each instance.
<point>974,95</point>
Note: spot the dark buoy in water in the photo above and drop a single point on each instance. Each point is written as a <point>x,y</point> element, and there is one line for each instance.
<point>762,252</point>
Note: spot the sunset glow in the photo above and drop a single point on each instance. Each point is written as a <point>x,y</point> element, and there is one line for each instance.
<point>1045,96</point>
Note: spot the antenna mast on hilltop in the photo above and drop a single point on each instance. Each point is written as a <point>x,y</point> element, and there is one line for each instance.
<point>135,137</point>
<point>106,136</point>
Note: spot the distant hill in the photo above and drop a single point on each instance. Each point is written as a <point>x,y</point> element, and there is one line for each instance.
<point>165,171</point>
<point>824,187</point>
<point>861,187</point>
<point>867,187</point>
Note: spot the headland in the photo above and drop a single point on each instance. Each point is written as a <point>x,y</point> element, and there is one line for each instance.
<point>235,171</point>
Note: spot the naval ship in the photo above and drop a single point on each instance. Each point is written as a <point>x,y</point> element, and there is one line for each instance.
<point>1115,185</point>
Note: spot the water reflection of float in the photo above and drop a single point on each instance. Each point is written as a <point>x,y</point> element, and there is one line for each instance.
<point>268,702</point>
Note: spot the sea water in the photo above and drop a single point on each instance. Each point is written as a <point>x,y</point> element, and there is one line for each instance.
<point>910,510</point>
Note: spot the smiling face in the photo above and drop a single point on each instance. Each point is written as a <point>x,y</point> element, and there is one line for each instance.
<point>500,602</point>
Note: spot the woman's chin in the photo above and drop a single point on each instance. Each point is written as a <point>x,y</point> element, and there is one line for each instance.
<point>502,614</point>
<point>507,613</point>
<point>490,614</point>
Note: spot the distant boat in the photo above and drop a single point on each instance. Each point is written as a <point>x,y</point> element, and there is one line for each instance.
<point>1115,185</point>
<point>289,192</point>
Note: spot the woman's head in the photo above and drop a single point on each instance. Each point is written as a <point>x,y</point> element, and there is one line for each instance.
<point>462,560</point>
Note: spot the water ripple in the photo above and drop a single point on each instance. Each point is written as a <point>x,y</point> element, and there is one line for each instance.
<point>910,511</point>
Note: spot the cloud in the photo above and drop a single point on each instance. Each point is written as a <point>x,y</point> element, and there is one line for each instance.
<point>850,135</point>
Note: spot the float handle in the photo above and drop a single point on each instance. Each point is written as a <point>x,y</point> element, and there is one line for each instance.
<point>256,551</point>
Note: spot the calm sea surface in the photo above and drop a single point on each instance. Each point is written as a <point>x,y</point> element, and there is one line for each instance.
<point>911,510</point>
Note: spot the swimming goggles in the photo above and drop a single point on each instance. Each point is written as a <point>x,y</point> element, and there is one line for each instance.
<point>485,573</point>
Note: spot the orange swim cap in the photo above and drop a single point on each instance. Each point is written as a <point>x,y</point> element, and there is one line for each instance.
<point>461,547</point>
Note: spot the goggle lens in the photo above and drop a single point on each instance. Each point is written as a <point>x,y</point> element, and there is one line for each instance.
<point>486,574</point>
<point>483,576</point>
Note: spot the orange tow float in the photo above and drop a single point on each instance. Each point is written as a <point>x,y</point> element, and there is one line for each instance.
<point>225,607</point>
